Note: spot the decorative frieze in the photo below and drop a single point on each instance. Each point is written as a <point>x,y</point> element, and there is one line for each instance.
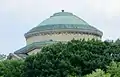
<point>61,36</point>
<point>59,33</point>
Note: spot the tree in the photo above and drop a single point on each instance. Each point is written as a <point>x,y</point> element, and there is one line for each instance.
<point>114,69</point>
<point>74,58</point>
<point>98,73</point>
<point>11,68</point>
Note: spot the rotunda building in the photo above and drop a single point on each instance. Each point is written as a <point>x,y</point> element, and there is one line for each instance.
<point>61,26</point>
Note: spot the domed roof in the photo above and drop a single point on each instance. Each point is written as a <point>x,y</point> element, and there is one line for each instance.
<point>62,21</point>
<point>63,18</point>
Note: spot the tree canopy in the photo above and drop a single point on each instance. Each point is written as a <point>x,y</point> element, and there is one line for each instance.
<point>11,68</point>
<point>76,58</point>
<point>98,73</point>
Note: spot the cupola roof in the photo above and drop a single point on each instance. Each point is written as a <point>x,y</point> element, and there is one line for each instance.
<point>63,21</point>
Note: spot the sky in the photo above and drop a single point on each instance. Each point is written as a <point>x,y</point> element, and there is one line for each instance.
<point>19,16</point>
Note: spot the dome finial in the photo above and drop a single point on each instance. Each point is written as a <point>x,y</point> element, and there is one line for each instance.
<point>62,10</point>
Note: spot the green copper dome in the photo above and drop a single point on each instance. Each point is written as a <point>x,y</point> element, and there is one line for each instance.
<point>63,18</point>
<point>63,21</point>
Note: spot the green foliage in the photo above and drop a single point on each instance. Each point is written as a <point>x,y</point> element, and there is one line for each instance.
<point>114,69</point>
<point>75,58</point>
<point>11,68</point>
<point>98,73</point>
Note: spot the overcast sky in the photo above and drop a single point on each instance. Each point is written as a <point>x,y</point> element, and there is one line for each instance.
<point>19,16</point>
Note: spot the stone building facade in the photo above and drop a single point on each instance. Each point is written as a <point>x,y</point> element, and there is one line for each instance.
<point>61,26</point>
